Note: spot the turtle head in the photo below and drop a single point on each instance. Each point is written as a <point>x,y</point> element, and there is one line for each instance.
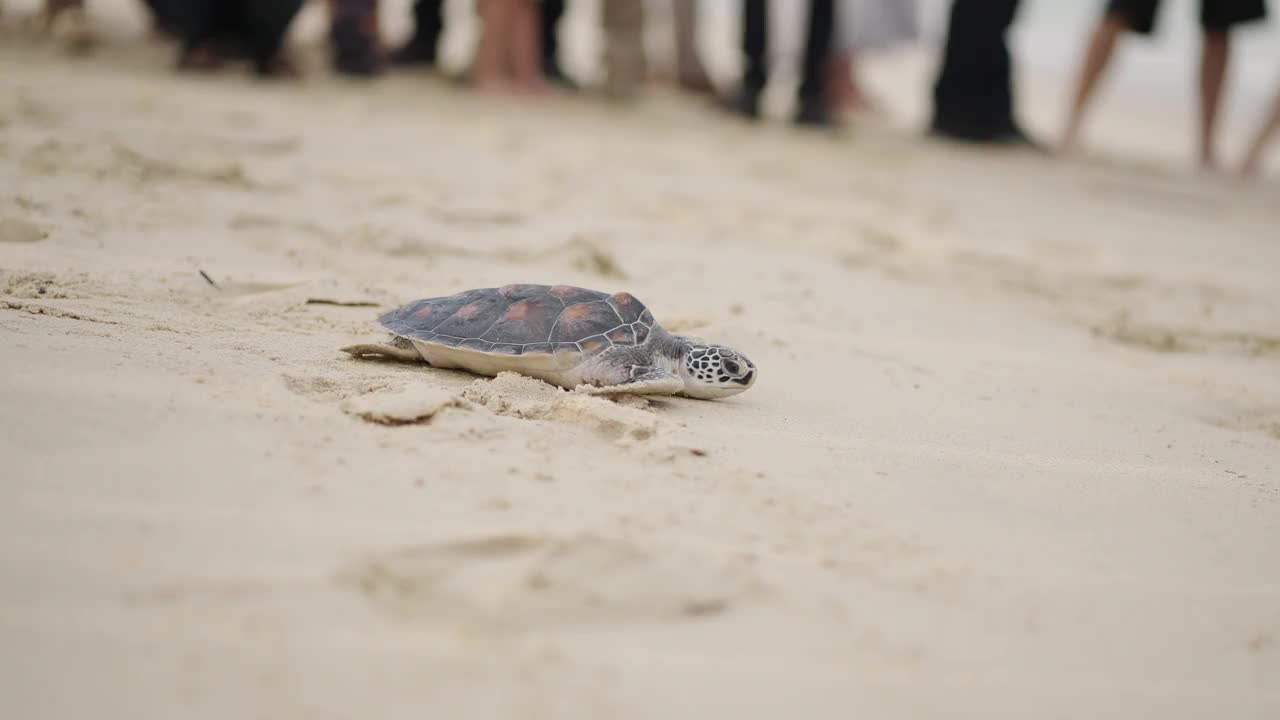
<point>713,371</point>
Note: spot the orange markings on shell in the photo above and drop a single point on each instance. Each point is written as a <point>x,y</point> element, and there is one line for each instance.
<point>562,291</point>
<point>576,312</point>
<point>424,311</point>
<point>623,298</point>
<point>466,312</point>
<point>518,311</point>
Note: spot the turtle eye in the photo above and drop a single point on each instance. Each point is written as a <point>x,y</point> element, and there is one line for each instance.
<point>731,367</point>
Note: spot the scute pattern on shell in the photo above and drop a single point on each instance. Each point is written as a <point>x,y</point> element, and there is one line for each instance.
<point>525,320</point>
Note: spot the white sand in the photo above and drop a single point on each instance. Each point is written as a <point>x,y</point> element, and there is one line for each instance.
<point>1014,450</point>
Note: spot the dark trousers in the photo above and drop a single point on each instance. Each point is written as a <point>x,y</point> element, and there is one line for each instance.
<point>353,30</point>
<point>255,28</point>
<point>164,15</point>
<point>973,96</point>
<point>428,17</point>
<point>817,47</point>
<point>552,11</point>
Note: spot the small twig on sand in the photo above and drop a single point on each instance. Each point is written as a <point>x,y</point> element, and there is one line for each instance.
<point>208,279</point>
<point>342,303</point>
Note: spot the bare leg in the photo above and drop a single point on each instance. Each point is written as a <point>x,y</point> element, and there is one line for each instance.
<point>488,71</point>
<point>1270,126</point>
<point>1213,69</point>
<point>1097,57</point>
<point>840,80</point>
<point>524,46</point>
<point>844,87</point>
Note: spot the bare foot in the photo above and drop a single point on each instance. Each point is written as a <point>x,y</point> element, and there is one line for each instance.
<point>1209,164</point>
<point>839,82</point>
<point>859,101</point>
<point>535,86</point>
<point>493,82</point>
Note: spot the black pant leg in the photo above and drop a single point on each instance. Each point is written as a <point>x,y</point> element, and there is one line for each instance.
<point>817,49</point>
<point>160,12</point>
<point>198,21</point>
<point>428,17</point>
<point>755,43</point>
<point>266,22</point>
<point>551,12</point>
<point>973,96</point>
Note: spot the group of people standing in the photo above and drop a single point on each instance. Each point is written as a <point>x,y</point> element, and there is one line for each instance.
<point>1218,18</point>
<point>518,50</point>
<point>973,97</point>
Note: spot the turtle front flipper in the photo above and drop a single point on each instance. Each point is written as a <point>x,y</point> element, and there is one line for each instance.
<point>397,349</point>
<point>643,381</point>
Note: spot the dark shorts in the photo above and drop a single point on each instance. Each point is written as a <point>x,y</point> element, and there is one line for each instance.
<point>1214,14</point>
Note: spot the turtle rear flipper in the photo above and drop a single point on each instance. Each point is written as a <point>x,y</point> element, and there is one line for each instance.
<point>397,349</point>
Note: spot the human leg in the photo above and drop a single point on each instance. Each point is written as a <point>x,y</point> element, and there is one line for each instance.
<point>354,35</point>
<point>266,23</point>
<point>524,53</point>
<point>755,40</point>
<point>1218,18</point>
<point>1097,57</point>
<point>1266,133</point>
<point>1214,57</point>
<point>813,109</point>
<point>489,69</point>
<point>428,25</point>
<point>973,95</point>
<point>552,11</point>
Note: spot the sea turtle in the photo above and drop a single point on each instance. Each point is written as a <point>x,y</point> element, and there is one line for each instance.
<point>567,336</point>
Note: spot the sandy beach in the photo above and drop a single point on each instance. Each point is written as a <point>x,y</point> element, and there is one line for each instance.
<point>1014,450</point>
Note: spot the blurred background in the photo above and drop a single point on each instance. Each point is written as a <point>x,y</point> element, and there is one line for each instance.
<point>1144,109</point>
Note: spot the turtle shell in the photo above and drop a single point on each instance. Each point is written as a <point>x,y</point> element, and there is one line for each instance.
<point>525,320</point>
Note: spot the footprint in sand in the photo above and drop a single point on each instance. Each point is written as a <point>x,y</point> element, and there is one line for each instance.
<point>340,388</point>
<point>414,405</point>
<point>145,168</point>
<point>580,253</point>
<point>13,230</point>
<point>41,285</point>
<point>1124,330</point>
<point>1263,420</point>
<point>532,580</point>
